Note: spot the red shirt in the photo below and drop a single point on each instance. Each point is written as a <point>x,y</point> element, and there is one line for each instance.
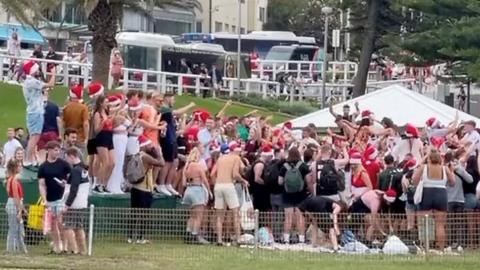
<point>19,187</point>
<point>373,170</point>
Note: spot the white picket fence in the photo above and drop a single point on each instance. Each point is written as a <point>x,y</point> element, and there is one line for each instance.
<point>296,89</point>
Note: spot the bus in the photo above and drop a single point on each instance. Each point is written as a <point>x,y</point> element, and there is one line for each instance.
<point>256,42</point>
<point>159,52</point>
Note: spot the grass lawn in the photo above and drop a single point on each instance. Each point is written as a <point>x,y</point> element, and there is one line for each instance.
<point>12,106</point>
<point>179,257</point>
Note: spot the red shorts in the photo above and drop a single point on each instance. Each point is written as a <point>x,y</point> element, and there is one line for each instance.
<point>46,137</point>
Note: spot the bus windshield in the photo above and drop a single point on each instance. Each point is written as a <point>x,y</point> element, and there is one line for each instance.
<point>279,54</point>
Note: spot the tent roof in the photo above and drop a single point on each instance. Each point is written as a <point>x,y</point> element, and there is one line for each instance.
<point>396,102</point>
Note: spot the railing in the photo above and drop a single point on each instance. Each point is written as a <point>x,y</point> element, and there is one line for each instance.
<point>111,231</point>
<point>291,89</point>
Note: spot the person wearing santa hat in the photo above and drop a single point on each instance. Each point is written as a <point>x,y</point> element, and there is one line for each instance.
<point>410,143</point>
<point>103,128</point>
<point>205,136</point>
<point>76,116</point>
<point>33,89</point>
<point>258,181</point>
<point>435,129</point>
<point>141,194</point>
<point>372,165</point>
<point>225,173</point>
<point>408,189</point>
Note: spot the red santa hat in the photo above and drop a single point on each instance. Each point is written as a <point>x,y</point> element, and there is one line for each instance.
<point>76,91</point>
<point>371,153</point>
<point>355,157</point>
<point>390,195</point>
<point>277,132</point>
<point>95,89</point>
<point>31,67</point>
<point>113,102</point>
<point>410,164</point>
<point>201,115</point>
<point>366,114</point>
<point>288,125</point>
<point>144,141</point>
<point>214,147</point>
<point>437,142</point>
<point>411,131</point>
<point>267,149</point>
<point>134,104</point>
<point>192,133</point>
<point>234,146</point>
<point>433,122</point>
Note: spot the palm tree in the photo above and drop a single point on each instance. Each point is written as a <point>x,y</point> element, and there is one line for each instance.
<point>103,20</point>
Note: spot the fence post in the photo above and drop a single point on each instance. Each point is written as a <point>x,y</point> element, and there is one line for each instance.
<point>247,88</point>
<point>277,90</point>
<point>125,80</point>
<point>1,68</point>
<point>257,225</point>
<point>427,236</point>
<point>197,86</point>
<point>86,74</point>
<point>230,88</point>
<point>159,79</point>
<point>144,82</point>
<point>180,85</point>
<point>66,79</point>
<point>90,229</point>
<point>264,90</point>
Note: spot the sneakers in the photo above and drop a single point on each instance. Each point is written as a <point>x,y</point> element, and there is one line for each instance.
<point>130,241</point>
<point>100,189</point>
<point>172,191</point>
<point>142,241</point>
<point>201,241</point>
<point>162,189</point>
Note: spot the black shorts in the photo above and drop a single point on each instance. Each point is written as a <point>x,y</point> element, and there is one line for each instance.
<point>261,197</point>
<point>104,139</point>
<point>359,207</point>
<point>91,147</point>
<point>75,218</point>
<point>434,199</point>
<point>169,150</point>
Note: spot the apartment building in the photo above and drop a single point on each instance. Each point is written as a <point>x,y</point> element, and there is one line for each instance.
<point>222,16</point>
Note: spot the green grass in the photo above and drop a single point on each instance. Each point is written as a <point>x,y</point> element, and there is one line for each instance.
<point>12,106</point>
<point>179,257</point>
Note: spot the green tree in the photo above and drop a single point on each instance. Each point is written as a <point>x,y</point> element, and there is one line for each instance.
<point>103,20</point>
<point>447,32</point>
<point>372,22</point>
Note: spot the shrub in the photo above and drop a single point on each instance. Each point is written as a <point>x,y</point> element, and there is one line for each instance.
<point>297,108</point>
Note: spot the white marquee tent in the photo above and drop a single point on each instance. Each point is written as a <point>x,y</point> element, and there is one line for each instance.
<point>396,102</point>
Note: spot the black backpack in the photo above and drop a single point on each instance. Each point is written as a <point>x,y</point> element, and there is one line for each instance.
<point>271,173</point>
<point>329,180</point>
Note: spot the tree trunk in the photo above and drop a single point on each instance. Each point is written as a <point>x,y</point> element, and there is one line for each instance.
<point>103,22</point>
<point>360,82</point>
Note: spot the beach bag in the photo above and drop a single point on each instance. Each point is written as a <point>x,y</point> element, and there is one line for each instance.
<point>47,221</point>
<point>133,169</point>
<point>417,197</point>
<point>247,217</point>
<point>35,215</point>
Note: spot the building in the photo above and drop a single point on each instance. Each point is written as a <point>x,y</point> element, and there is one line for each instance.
<point>68,23</point>
<point>222,16</point>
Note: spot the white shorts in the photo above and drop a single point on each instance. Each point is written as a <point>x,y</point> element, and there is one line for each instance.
<point>225,196</point>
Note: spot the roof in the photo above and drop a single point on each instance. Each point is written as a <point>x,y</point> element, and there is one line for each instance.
<point>396,102</point>
<point>144,39</point>
<point>25,33</point>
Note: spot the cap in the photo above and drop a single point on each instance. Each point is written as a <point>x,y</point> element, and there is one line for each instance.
<point>390,195</point>
<point>134,104</point>
<point>355,157</point>
<point>234,147</point>
<point>432,122</point>
<point>95,89</point>
<point>411,131</point>
<point>31,67</point>
<point>410,164</point>
<point>371,153</point>
<point>76,91</point>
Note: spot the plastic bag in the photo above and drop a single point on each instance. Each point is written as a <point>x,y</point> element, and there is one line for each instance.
<point>395,246</point>
<point>247,217</point>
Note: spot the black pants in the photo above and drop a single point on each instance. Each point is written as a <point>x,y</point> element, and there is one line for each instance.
<point>456,230</point>
<point>140,202</point>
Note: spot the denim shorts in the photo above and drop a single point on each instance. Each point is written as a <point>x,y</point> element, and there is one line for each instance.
<point>56,207</point>
<point>35,123</point>
<point>471,202</point>
<point>195,196</point>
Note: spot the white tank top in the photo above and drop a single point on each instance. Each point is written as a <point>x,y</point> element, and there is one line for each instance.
<point>434,183</point>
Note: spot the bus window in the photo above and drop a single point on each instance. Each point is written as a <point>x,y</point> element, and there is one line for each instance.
<point>280,53</point>
<point>140,57</point>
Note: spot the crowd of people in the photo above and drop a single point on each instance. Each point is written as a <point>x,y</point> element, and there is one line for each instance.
<point>140,143</point>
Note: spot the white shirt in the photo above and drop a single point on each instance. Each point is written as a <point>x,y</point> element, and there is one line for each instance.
<point>9,149</point>
<point>405,146</point>
<point>474,138</point>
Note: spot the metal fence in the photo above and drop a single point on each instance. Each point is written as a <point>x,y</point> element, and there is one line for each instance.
<point>190,234</point>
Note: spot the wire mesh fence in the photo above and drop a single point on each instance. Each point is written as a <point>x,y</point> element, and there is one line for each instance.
<point>202,234</point>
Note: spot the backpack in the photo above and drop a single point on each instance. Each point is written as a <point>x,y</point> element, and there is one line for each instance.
<point>330,181</point>
<point>293,180</point>
<point>271,173</point>
<point>133,169</point>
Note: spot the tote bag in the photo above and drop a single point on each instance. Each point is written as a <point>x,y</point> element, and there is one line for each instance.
<point>417,197</point>
<point>35,216</point>
<point>247,217</point>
